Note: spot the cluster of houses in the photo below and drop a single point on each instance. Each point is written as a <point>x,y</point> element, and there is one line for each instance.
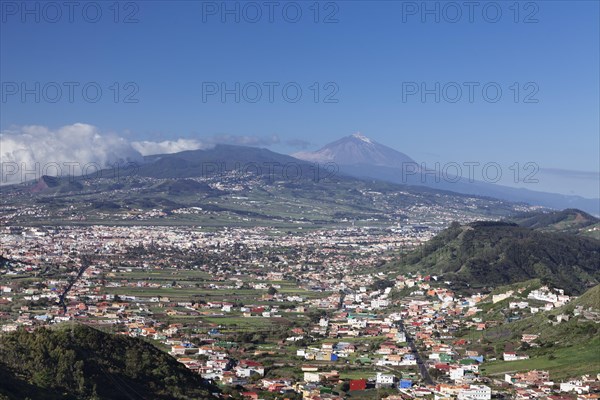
<point>365,334</point>
<point>544,299</point>
<point>536,384</point>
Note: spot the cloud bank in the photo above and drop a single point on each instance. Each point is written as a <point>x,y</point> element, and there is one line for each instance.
<point>28,152</point>
<point>245,140</point>
<point>147,148</point>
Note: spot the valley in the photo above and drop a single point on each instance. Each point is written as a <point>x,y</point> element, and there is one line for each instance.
<point>349,309</point>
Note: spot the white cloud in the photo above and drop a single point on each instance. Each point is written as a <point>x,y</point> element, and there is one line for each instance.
<point>245,140</point>
<point>147,148</point>
<point>168,146</point>
<point>28,152</point>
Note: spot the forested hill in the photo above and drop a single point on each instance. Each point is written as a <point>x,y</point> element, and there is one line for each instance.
<point>571,221</point>
<point>489,254</point>
<point>80,363</point>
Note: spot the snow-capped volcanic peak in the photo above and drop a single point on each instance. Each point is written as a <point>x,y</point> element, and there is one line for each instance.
<point>356,149</point>
<point>362,137</point>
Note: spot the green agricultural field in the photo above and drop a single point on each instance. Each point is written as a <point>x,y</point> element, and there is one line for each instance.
<point>291,288</point>
<point>362,373</point>
<point>186,293</point>
<point>568,362</point>
<point>166,274</point>
<point>241,321</point>
<point>230,324</point>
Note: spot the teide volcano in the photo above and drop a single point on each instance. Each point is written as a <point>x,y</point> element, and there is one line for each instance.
<point>357,149</point>
<point>362,157</point>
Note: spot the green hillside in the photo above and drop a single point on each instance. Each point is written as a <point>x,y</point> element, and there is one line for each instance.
<point>562,362</point>
<point>84,363</point>
<point>590,299</point>
<point>566,349</point>
<point>566,221</point>
<point>491,254</point>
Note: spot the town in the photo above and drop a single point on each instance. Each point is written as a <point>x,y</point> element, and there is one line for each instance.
<point>270,313</point>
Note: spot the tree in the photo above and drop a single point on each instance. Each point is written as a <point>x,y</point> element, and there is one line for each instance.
<point>316,315</point>
<point>344,387</point>
<point>435,373</point>
<point>499,348</point>
<point>382,284</point>
<point>272,291</point>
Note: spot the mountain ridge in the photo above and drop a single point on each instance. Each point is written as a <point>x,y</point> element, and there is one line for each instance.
<point>361,160</point>
<point>569,220</point>
<point>233,184</point>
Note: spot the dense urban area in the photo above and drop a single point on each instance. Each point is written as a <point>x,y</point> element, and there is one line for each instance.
<point>316,314</point>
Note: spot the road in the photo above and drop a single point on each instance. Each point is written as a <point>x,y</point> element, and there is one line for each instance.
<point>422,367</point>
<point>61,299</point>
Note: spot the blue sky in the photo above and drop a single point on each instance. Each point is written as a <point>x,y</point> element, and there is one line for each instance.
<point>367,57</point>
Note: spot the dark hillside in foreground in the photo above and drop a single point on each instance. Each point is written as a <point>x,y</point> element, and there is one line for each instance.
<point>84,363</point>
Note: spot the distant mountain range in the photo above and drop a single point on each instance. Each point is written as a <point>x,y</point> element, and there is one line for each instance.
<point>360,156</point>
<point>222,159</point>
<point>254,184</point>
<point>229,185</point>
<point>352,157</point>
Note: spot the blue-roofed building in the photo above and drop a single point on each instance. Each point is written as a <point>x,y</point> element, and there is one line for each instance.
<point>477,358</point>
<point>405,384</point>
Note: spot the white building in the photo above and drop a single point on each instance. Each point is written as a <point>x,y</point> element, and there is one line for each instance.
<point>574,386</point>
<point>357,322</point>
<point>379,303</point>
<point>312,377</point>
<point>514,357</point>
<point>475,392</point>
<point>401,337</point>
<point>456,373</point>
<point>384,380</point>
